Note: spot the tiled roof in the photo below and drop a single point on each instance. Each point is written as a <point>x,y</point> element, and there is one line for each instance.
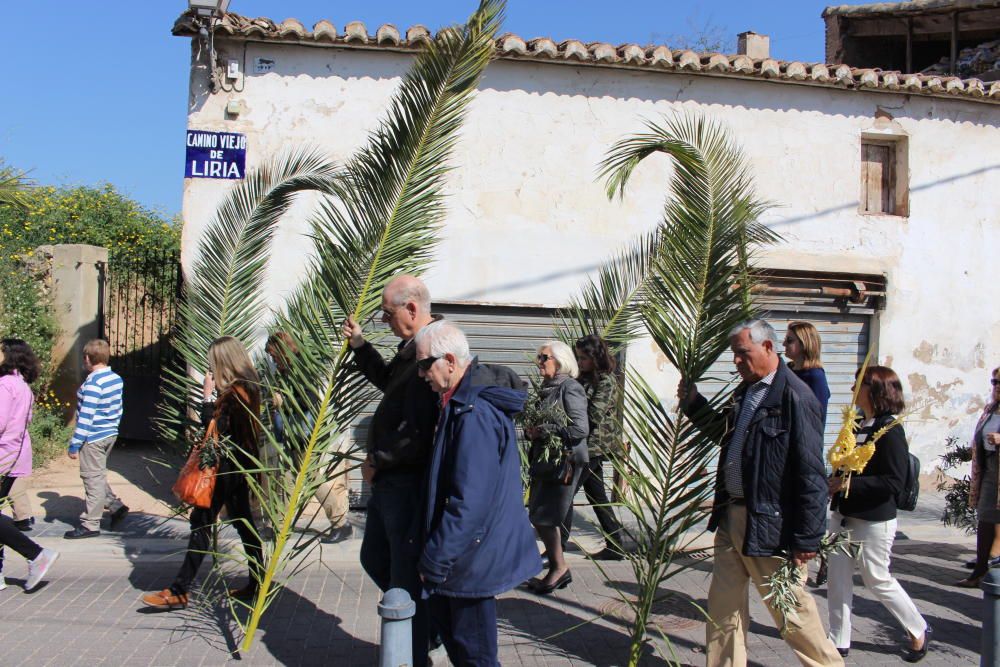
<point>909,8</point>
<point>599,54</point>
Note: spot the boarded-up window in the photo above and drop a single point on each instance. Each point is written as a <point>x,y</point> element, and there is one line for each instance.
<point>878,178</point>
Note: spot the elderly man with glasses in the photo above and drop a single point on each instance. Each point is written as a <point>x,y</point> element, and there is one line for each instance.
<point>478,541</point>
<point>399,444</point>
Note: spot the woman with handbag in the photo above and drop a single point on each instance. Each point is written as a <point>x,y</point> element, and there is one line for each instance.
<point>19,367</point>
<point>555,475</point>
<point>234,416</point>
<point>866,507</point>
<point>983,486</point>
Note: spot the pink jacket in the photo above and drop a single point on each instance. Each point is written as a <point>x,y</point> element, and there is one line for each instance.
<point>977,458</point>
<point>15,415</point>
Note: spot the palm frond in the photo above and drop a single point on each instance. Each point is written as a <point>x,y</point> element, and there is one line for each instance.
<point>690,284</point>
<point>383,223</point>
<point>609,304</point>
<point>14,186</point>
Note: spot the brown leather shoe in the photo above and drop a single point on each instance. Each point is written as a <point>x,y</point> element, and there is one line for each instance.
<point>166,599</point>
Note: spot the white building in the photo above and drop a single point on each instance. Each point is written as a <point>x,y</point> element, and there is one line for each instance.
<point>885,182</point>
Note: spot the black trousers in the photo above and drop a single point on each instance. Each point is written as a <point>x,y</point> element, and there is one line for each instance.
<point>468,627</point>
<point>233,493</point>
<point>11,535</point>
<point>592,481</point>
<point>391,546</point>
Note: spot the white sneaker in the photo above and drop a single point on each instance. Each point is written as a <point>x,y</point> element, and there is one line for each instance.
<point>38,567</point>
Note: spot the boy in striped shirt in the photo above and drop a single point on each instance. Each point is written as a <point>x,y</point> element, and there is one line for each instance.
<point>98,411</point>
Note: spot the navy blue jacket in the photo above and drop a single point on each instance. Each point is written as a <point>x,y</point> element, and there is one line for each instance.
<point>479,542</point>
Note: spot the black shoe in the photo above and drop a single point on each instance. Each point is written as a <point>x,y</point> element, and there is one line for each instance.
<point>607,553</point>
<point>339,534</point>
<point>843,652</point>
<point>909,655</point>
<point>821,574</point>
<point>562,582</point>
<point>117,516</point>
<point>992,562</point>
<point>24,525</point>
<point>79,533</point>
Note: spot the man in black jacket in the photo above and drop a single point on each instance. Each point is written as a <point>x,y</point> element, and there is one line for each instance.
<point>399,443</point>
<point>770,497</point>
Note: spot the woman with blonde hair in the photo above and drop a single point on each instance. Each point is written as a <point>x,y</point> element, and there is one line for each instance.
<point>802,350</point>
<point>236,412</point>
<point>551,494</point>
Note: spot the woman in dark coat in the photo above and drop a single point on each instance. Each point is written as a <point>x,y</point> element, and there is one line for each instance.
<point>550,499</point>
<point>597,376</point>
<point>236,412</point>
<point>983,485</point>
<point>867,508</point>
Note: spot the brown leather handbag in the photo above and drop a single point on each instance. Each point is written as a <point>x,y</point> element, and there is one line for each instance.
<point>196,484</point>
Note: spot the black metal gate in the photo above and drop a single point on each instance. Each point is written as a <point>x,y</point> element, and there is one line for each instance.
<point>139,307</point>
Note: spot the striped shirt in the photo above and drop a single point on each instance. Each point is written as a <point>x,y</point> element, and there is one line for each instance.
<point>752,398</point>
<point>98,408</point>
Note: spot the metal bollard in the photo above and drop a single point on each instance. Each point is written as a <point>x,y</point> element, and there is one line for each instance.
<point>396,610</point>
<point>990,653</point>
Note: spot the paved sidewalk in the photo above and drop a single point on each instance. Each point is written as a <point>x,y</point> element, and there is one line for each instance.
<point>89,613</point>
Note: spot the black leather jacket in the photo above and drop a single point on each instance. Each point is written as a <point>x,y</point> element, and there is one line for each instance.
<point>784,479</point>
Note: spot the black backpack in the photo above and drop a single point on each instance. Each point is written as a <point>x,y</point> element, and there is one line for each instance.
<point>906,499</point>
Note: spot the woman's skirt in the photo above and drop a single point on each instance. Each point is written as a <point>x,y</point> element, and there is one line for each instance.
<point>549,501</point>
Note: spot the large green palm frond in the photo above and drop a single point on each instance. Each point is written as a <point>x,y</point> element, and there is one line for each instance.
<point>383,223</point>
<point>609,303</point>
<point>711,230</point>
<point>223,293</point>
<point>697,289</point>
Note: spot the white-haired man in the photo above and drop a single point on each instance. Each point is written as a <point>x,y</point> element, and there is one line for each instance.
<point>478,541</point>
<point>399,442</point>
<point>770,497</point>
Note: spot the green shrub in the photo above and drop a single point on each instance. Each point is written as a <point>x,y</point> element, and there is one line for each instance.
<point>98,216</point>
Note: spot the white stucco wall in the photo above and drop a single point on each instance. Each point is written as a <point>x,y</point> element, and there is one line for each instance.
<point>527,220</point>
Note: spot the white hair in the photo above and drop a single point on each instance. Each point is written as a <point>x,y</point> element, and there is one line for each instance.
<point>442,337</point>
<point>759,331</point>
<point>410,289</point>
<point>564,357</point>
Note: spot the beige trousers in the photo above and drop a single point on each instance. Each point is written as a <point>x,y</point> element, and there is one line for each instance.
<point>94,473</point>
<point>20,503</point>
<point>728,605</point>
<point>332,495</point>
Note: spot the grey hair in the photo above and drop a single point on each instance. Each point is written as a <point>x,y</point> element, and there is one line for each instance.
<point>416,292</point>
<point>564,356</point>
<point>442,337</point>
<point>759,331</point>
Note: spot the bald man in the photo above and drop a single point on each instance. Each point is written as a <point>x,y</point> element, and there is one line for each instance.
<point>399,443</point>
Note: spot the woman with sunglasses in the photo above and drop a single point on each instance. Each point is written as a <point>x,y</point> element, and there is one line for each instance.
<point>867,509</point>
<point>983,486</point>
<point>550,499</point>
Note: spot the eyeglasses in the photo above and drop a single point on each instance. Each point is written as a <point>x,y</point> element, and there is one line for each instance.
<point>386,315</point>
<point>426,363</point>
<point>542,358</point>
<point>995,382</point>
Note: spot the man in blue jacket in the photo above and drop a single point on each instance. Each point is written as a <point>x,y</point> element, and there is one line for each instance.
<point>478,540</point>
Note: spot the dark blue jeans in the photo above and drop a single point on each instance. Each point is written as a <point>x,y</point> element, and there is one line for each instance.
<point>391,546</point>
<point>468,627</point>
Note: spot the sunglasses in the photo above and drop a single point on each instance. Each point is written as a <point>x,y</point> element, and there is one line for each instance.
<point>542,358</point>
<point>426,363</point>
<point>995,382</point>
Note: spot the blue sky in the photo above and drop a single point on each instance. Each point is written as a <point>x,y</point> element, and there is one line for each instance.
<point>96,91</point>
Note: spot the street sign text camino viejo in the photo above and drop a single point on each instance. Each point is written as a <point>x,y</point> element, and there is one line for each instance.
<point>215,155</point>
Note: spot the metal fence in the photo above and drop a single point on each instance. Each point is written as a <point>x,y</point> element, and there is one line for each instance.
<point>139,308</point>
